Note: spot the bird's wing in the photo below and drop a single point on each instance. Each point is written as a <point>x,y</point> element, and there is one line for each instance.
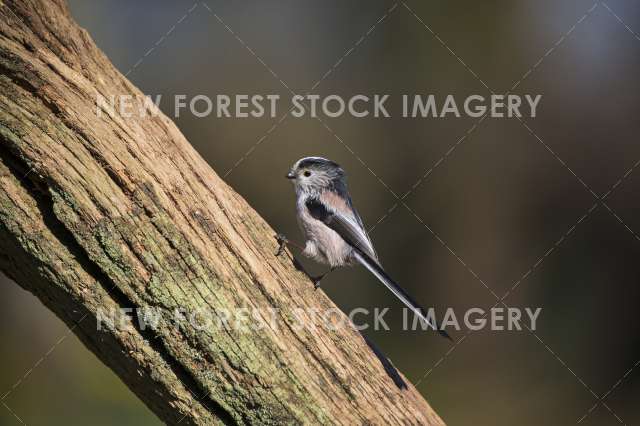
<point>364,231</point>
<point>345,224</point>
<point>338,214</point>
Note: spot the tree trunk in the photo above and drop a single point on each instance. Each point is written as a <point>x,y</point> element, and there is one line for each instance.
<point>99,212</point>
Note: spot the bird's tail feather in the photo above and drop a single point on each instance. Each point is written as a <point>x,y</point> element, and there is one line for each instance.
<point>377,270</point>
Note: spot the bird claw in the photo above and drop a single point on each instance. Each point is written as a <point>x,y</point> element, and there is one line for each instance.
<point>282,241</point>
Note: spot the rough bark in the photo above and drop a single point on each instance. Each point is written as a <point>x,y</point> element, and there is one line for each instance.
<point>101,212</point>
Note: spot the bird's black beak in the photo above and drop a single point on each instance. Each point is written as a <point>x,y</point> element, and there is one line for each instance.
<point>290,176</point>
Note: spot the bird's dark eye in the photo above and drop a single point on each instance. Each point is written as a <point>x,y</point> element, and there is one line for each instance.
<point>307,173</point>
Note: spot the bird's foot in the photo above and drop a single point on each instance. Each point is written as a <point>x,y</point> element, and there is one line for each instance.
<point>316,281</point>
<point>282,241</point>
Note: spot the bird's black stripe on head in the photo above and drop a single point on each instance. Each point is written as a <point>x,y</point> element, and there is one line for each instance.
<point>318,162</point>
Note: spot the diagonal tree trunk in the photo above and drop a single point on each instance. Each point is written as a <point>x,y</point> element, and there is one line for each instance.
<point>100,212</point>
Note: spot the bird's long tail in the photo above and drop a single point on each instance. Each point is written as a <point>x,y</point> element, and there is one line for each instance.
<point>377,270</point>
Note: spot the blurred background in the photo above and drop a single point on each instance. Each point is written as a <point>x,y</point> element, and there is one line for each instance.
<point>502,200</point>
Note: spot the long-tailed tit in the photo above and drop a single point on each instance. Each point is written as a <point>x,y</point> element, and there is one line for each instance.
<point>334,232</point>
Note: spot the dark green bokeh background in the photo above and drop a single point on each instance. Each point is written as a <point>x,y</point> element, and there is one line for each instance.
<point>501,200</point>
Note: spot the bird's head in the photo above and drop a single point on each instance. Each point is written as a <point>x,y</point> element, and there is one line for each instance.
<point>315,174</point>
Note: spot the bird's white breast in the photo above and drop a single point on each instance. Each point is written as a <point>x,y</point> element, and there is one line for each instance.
<point>323,244</point>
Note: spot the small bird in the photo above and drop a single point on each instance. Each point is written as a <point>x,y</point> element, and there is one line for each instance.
<point>334,232</point>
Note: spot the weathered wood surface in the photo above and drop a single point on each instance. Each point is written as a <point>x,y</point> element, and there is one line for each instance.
<point>99,212</point>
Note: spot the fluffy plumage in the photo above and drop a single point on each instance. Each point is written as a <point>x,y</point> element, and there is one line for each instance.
<point>334,231</point>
